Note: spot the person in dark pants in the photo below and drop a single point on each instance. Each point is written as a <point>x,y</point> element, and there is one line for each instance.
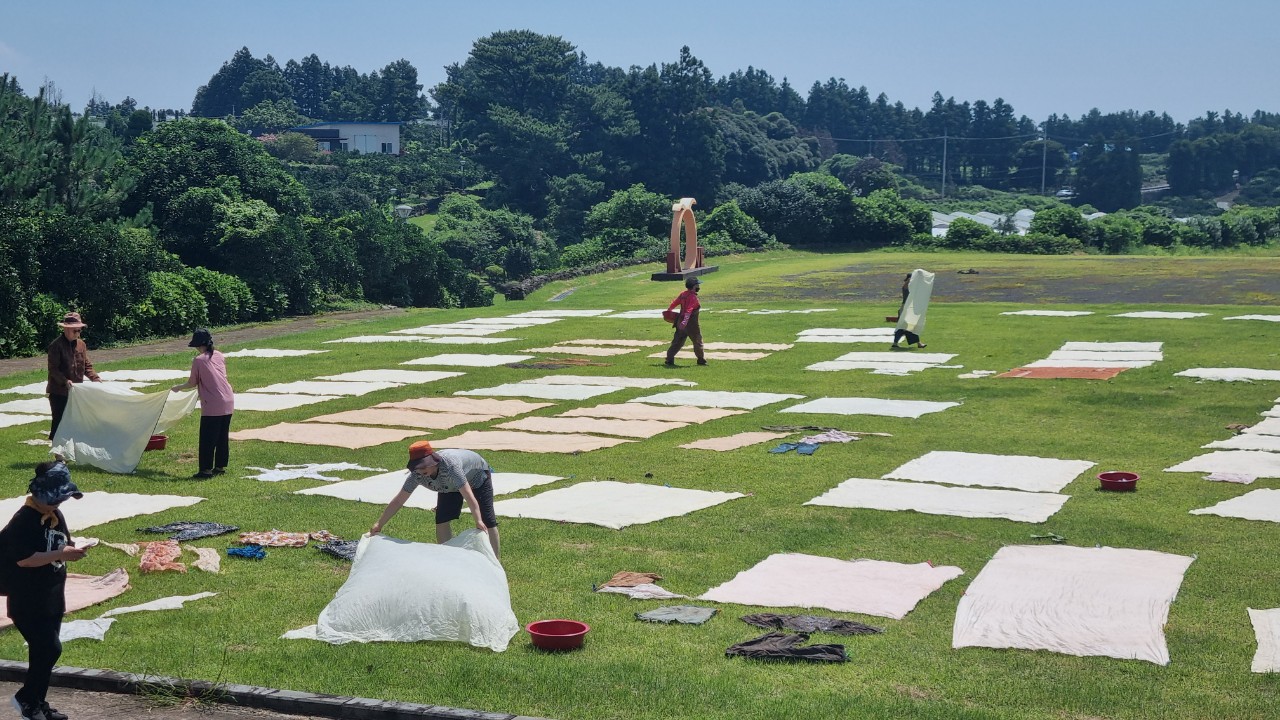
<point>35,547</point>
<point>217,403</point>
<point>902,331</point>
<point>68,364</point>
<point>686,322</point>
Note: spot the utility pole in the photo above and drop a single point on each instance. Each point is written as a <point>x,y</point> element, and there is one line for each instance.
<point>1044,154</point>
<point>944,163</point>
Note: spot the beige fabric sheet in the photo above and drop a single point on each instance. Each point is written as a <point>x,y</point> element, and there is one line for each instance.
<point>610,380</point>
<point>714,355</point>
<point>733,442</point>
<point>1266,628</point>
<point>467,406</point>
<point>601,426</point>
<point>399,417</point>
<point>640,411</point>
<point>270,402</point>
<point>85,590</point>
<point>526,441</point>
<point>745,346</point>
<point>615,343</point>
<point>407,377</point>
<point>324,387</point>
<point>583,350</point>
<point>345,436</point>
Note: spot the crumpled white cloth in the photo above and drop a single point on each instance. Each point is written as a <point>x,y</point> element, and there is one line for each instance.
<point>85,629</point>
<point>314,471</point>
<point>830,436</point>
<point>643,591</point>
<point>175,602</point>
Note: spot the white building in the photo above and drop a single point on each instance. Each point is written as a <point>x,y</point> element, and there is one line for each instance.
<point>362,137</point>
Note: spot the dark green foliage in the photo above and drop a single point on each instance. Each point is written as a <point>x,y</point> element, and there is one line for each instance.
<point>885,218</point>
<point>172,307</point>
<point>1062,220</point>
<point>631,221</point>
<point>862,175</point>
<point>806,209</point>
<point>227,298</point>
<point>1109,175</point>
<point>736,227</point>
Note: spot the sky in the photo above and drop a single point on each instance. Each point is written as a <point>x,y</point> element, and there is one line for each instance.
<point>1183,57</point>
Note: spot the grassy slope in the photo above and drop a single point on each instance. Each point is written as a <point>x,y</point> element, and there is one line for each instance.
<point>1143,421</point>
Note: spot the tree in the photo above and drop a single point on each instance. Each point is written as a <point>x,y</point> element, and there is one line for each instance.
<point>1061,220</point>
<point>1109,175</point>
<point>270,116</point>
<point>221,96</point>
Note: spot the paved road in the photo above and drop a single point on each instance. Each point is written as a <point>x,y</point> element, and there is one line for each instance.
<point>83,705</point>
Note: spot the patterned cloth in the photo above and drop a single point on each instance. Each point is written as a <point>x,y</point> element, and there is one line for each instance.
<point>274,538</point>
<point>160,556</point>
<point>191,529</point>
<point>341,549</point>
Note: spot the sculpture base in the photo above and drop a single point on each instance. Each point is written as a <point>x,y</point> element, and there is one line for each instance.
<point>691,272</point>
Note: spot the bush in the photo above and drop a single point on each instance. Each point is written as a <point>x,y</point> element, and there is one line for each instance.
<point>737,227</point>
<point>228,298</point>
<point>587,252</point>
<point>173,307</point>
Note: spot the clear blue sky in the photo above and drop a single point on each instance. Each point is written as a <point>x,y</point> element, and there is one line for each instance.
<point>1178,56</point>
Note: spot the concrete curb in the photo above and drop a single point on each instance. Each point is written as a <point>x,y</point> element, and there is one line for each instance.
<point>283,701</point>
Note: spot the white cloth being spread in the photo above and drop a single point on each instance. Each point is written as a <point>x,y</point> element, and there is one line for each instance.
<point>938,500</point>
<point>919,290</point>
<point>1016,472</point>
<point>1110,602</point>
<point>400,591</point>
<point>109,428</point>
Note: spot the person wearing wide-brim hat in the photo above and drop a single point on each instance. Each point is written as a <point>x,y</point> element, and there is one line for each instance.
<point>217,403</point>
<point>68,364</point>
<point>456,475</point>
<point>35,548</point>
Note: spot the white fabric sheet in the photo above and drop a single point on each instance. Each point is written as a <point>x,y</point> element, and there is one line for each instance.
<point>325,387</point>
<point>26,406</point>
<point>1050,313</point>
<point>404,377</point>
<point>914,311</point>
<point>11,420</point>
<point>269,402</point>
<point>174,602</point>
<point>436,340</point>
<point>148,376</point>
<point>876,367</point>
<point>806,311</point>
<point>614,343</point>
<point>98,507</point>
<point>1270,426</point>
<point>509,321</point>
<point>379,489</point>
<point>468,360</point>
<point>638,315</point>
<point>608,380</point>
<point>871,587</point>
<point>1091,363</point>
<point>561,313</point>
<point>456,591</point>
<point>35,388</point>
<point>85,629</point>
<point>846,338</point>
<point>719,399</point>
<point>1105,355</point>
<point>938,500</point>
<point>109,428</point>
<point>1266,628</point>
<point>891,356</point>
<point>870,406</point>
<point>455,329</point>
<point>271,353</point>
<point>1230,374</point>
<point>1255,441</point>
<point>1016,472</point>
<point>585,350</point>
<point>643,591</point>
<point>1161,314</point>
<point>834,332</point>
<point>545,392</point>
<point>1261,504</point>
<point>314,471</point>
<point>1109,602</point>
<point>1267,318</point>
<point>1114,346</point>
<point>1258,463</point>
<point>612,504</point>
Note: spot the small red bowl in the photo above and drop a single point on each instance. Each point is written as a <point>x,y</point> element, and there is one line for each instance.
<point>1119,481</point>
<point>558,634</point>
<point>891,318</point>
<point>157,442</point>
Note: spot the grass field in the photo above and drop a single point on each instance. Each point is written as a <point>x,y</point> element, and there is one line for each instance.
<point>1144,420</point>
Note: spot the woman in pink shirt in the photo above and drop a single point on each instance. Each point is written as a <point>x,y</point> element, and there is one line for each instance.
<point>217,402</point>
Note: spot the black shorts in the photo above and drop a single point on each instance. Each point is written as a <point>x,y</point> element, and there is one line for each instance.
<point>449,504</point>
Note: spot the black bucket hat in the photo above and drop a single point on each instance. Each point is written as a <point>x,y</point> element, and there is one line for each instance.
<point>54,486</point>
<point>200,337</point>
<point>692,282</point>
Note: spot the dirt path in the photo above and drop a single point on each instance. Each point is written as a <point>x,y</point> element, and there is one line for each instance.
<point>262,331</point>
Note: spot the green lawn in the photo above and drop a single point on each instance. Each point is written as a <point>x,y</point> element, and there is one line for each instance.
<point>1143,420</point>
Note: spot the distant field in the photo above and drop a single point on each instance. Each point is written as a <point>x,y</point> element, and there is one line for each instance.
<point>1144,420</point>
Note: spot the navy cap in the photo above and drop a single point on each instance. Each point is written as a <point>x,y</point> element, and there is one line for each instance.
<point>54,486</point>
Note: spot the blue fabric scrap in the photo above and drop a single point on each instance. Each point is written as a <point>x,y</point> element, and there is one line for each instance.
<point>251,552</point>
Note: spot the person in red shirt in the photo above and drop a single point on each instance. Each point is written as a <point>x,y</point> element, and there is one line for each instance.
<point>686,322</point>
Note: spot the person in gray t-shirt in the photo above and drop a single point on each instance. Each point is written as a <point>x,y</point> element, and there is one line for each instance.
<point>455,475</point>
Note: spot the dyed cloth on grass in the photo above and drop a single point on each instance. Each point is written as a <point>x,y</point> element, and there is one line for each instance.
<point>612,504</point>
<point>467,406</point>
<point>190,529</point>
<point>404,377</point>
<point>1162,315</point>
<point>270,353</point>
<point>1050,313</point>
<point>341,549</point>
<point>1017,472</point>
<point>526,441</point>
<point>1269,443</point>
<point>1090,356</point>
<point>784,646</point>
<point>275,538</point>
<point>267,402</point>
<point>608,380</point>
<point>454,329</point>
<point>85,629</point>
<point>931,499</point>
<point>684,614</point>
<point>1230,374</point>
<point>313,471</point>
<point>544,392</point>
<point>582,350</point>
<point>1261,504</point>
<point>98,507</point>
<point>173,602</point>
<point>1270,426</point>
<point>1109,602</point>
<point>148,376</point>
<point>11,420</point>
<point>717,399</point>
<point>435,340</point>
<point>468,360</point>
<point>746,346</point>
<point>397,417</point>
<point>323,387</point>
<point>84,591</point>
<point>248,552</point>
<point>870,587</point>
<point>809,624</point>
<point>1258,463</point>
<point>599,426</point>
<point>207,559</point>
<point>344,436</point>
<point>1266,628</point>
<point>1064,373</point>
<point>640,411</point>
<point>35,388</point>
<point>1266,318</point>
<point>714,355</point>
<point>161,556</point>
<point>1113,346</point>
<point>870,406</point>
<point>733,442</point>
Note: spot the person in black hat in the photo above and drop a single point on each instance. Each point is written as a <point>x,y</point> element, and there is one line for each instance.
<point>35,547</point>
<point>686,322</point>
<point>217,403</point>
<point>68,364</point>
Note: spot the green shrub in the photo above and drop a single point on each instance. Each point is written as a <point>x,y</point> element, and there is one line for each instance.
<point>227,297</point>
<point>173,307</point>
<point>588,252</point>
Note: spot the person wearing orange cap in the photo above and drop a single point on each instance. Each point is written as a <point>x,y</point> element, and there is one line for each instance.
<point>456,475</point>
<point>68,364</point>
<point>685,322</point>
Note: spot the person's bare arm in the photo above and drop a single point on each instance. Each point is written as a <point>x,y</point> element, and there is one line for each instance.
<point>48,557</point>
<point>392,508</point>
<point>470,496</point>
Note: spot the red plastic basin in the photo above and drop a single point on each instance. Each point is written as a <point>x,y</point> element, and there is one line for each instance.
<point>558,634</point>
<point>891,318</point>
<point>157,442</point>
<point>1119,481</point>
